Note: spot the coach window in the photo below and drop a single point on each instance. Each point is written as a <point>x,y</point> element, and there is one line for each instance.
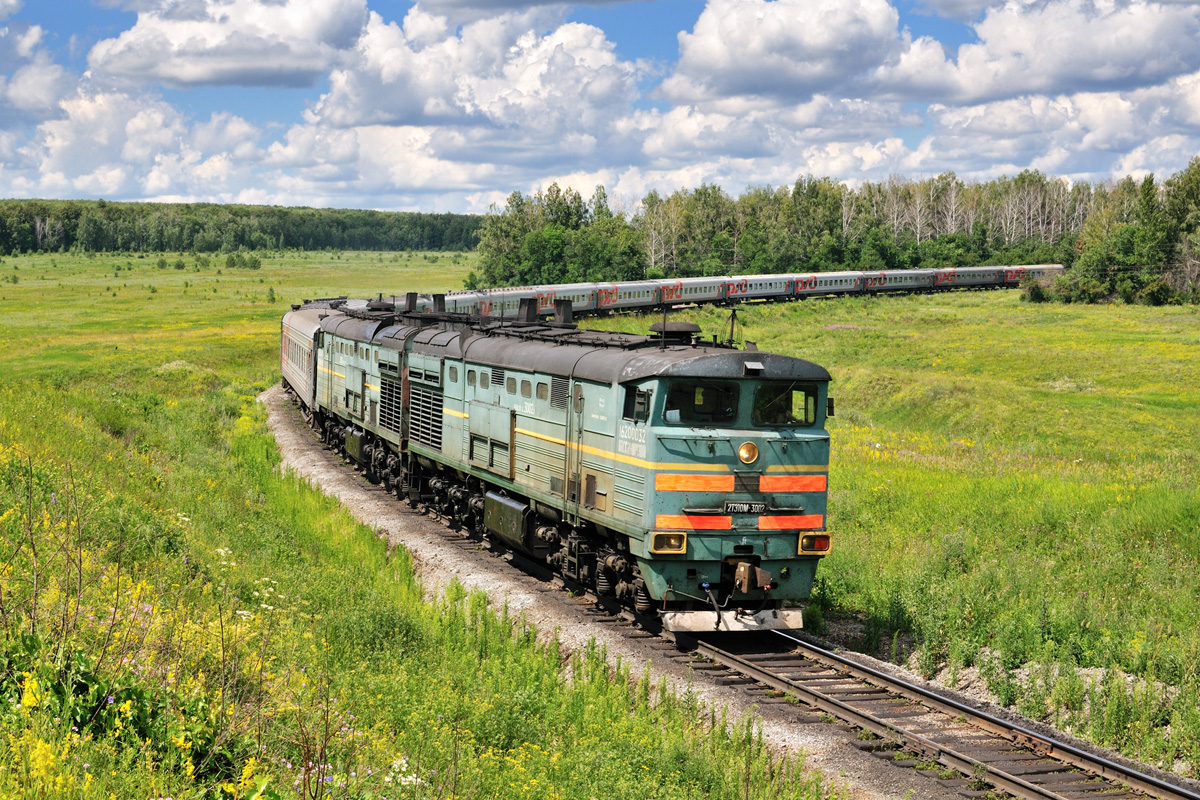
<point>470,377</point>
<point>526,389</point>
<point>483,380</point>
<point>511,385</point>
<point>453,374</point>
<point>543,391</point>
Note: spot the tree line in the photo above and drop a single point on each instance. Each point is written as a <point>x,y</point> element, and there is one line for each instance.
<point>1136,239</point>
<point>30,226</point>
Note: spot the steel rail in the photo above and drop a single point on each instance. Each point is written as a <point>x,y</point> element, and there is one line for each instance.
<point>1070,757</point>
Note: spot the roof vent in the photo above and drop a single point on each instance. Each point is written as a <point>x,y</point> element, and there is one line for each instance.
<point>676,332</point>
<point>753,368</point>
<point>381,305</point>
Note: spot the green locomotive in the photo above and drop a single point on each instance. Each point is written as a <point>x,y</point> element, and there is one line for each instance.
<point>681,476</point>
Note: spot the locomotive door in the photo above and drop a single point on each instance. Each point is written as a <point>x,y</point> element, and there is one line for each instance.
<point>355,395</point>
<point>574,454</point>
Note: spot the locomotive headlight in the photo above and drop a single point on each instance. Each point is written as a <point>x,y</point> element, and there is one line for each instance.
<point>814,543</point>
<point>748,452</point>
<point>669,543</point>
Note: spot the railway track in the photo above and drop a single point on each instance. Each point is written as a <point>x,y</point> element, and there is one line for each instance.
<point>962,747</point>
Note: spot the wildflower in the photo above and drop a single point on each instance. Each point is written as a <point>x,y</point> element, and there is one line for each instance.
<point>247,779</point>
<point>29,693</point>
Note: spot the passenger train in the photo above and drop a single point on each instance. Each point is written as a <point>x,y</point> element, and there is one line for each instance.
<point>600,298</point>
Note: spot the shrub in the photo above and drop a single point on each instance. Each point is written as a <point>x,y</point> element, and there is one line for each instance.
<point>1032,291</point>
<point>1156,293</point>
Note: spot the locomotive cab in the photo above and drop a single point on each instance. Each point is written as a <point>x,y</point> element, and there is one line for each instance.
<point>737,517</point>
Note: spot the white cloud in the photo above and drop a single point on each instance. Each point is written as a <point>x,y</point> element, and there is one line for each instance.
<point>783,48</point>
<point>1087,45</point>
<point>1152,155</point>
<point>36,87</point>
<point>232,42</point>
<point>496,71</point>
<point>225,132</point>
<point>8,8</point>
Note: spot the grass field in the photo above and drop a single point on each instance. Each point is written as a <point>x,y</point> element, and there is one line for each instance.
<point>1016,487</point>
<point>180,620</point>
<point>1013,490</point>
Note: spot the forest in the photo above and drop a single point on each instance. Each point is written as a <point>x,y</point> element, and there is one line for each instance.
<point>31,226</point>
<point>1139,240</point>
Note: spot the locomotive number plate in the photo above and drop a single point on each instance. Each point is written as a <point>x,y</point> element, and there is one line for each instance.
<point>744,508</point>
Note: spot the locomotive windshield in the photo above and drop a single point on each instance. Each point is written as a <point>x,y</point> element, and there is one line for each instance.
<point>789,403</point>
<point>700,402</point>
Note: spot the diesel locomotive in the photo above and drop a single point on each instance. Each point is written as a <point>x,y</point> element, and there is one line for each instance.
<point>684,477</point>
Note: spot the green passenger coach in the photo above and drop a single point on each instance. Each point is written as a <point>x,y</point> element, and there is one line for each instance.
<point>684,477</point>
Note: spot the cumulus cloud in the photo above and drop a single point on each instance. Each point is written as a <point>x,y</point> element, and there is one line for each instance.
<point>788,49</point>
<point>115,144</point>
<point>37,86</point>
<point>8,8</point>
<point>31,84</point>
<point>496,71</point>
<point>232,42</point>
<point>1084,44</point>
<point>225,132</point>
<point>503,88</point>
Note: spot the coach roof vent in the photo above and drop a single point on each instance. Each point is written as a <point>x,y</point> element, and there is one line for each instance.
<point>676,332</point>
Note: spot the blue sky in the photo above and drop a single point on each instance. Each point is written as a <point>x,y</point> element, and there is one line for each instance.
<point>449,105</point>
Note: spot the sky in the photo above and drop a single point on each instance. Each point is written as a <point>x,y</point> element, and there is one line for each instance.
<point>451,105</point>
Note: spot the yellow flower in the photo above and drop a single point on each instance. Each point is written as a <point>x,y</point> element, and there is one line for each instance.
<point>29,695</point>
<point>247,780</point>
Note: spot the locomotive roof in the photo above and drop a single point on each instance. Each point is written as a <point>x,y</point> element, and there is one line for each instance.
<point>619,364</point>
<point>557,349</point>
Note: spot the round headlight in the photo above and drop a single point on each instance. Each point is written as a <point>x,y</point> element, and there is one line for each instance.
<point>748,453</point>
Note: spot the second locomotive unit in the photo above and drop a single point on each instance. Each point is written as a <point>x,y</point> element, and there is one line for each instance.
<point>685,477</point>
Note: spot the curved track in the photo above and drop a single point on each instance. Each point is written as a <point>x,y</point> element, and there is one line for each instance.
<point>917,727</point>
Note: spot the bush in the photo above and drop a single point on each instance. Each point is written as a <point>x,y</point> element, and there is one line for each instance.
<point>1069,289</point>
<point>1032,291</point>
<point>1157,293</point>
<point>239,261</point>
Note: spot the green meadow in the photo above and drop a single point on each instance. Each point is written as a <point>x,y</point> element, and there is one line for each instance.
<point>180,620</point>
<point>1015,489</point>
